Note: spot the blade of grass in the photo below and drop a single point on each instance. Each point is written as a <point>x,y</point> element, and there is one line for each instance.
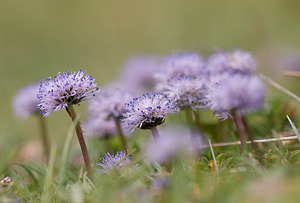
<point>48,192</point>
<point>213,155</point>
<point>293,127</point>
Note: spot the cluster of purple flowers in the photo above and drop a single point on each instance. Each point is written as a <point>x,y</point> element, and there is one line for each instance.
<point>224,83</point>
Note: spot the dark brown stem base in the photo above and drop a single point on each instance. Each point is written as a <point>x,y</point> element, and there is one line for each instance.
<point>81,140</point>
<point>240,128</point>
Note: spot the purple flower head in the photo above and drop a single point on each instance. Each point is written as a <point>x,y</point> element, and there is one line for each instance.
<point>25,101</point>
<point>180,65</point>
<point>171,144</point>
<point>110,104</point>
<point>236,61</point>
<point>97,126</point>
<point>242,93</point>
<point>113,161</point>
<point>188,91</point>
<point>138,73</point>
<point>148,111</point>
<point>66,89</point>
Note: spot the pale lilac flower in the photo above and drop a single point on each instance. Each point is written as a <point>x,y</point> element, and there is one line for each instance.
<point>180,65</point>
<point>113,161</point>
<point>66,89</point>
<point>236,61</point>
<point>172,143</point>
<point>25,101</point>
<point>110,104</point>
<point>188,91</point>
<point>138,73</point>
<point>242,93</point>
<point>148,111</point>
<point>99,127</point>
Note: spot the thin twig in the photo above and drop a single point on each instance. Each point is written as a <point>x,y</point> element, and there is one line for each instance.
<point>224,144</point>
<point>291,73</point>
<point>278,86</point>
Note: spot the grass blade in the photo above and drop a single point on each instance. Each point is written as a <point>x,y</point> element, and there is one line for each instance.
<point>213,155</point>
<point>293,127</point>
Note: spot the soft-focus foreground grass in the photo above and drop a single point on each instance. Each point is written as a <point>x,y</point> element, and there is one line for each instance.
<point>40,38</point>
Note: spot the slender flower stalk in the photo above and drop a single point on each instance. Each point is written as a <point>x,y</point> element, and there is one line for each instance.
<point>155,134</point>
<point>44,137</point>
<point>240,128</point>
<point>121,135</point>
<point>81,140</point>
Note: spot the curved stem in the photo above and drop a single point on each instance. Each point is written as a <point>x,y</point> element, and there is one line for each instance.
<point>44,137</point>
<point>121,135</point>
<point>81,140</point>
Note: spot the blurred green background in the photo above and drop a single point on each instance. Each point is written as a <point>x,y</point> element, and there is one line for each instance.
<point>41,38</point>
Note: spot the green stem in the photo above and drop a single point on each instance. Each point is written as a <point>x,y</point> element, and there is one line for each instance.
<point>81,140</point>
<point>44,137</point>
<point>240,128</point>
<point>121,135</point>
<point>155,134</point>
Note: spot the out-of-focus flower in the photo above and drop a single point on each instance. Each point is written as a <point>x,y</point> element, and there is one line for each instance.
<point>99,127</point>
<point>110,104</point>
<point>138,73</point>
<point>242,93</point>
<point>66,89</point>
<point>6,181</point>
<point>25,101</point>
<point>236,61</point>
<point>148,111</point>
<point>188,91</point>
<point>111,161</point>
<point>172,143</point>
<point>180,65</point>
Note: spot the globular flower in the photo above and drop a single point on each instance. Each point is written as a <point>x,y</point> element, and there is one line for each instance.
<point>187,91</point>
<point>148,111</point>
<point>236,61</point>
<point>241,93</point>
<point>66,89</point>
<point>138,73</point>
<point>113,161</point>
<point>99,127</point>
<point>25,101</point>
<point>110,104</point>
<point>172,143</point>
<point>180,65</point>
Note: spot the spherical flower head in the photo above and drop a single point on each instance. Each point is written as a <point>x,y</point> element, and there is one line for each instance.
<point>180,65</point>
<point>113,161</point>
<point>25,101</point>
<point>188,91</point>
<point>66,89</point>
<point>172,143</point>
<point>110,104</point>
<point>148,111</point>
<point>242,93</point>
<point>138,73</point>
<point>99,127</point>
<point>236,61</point>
